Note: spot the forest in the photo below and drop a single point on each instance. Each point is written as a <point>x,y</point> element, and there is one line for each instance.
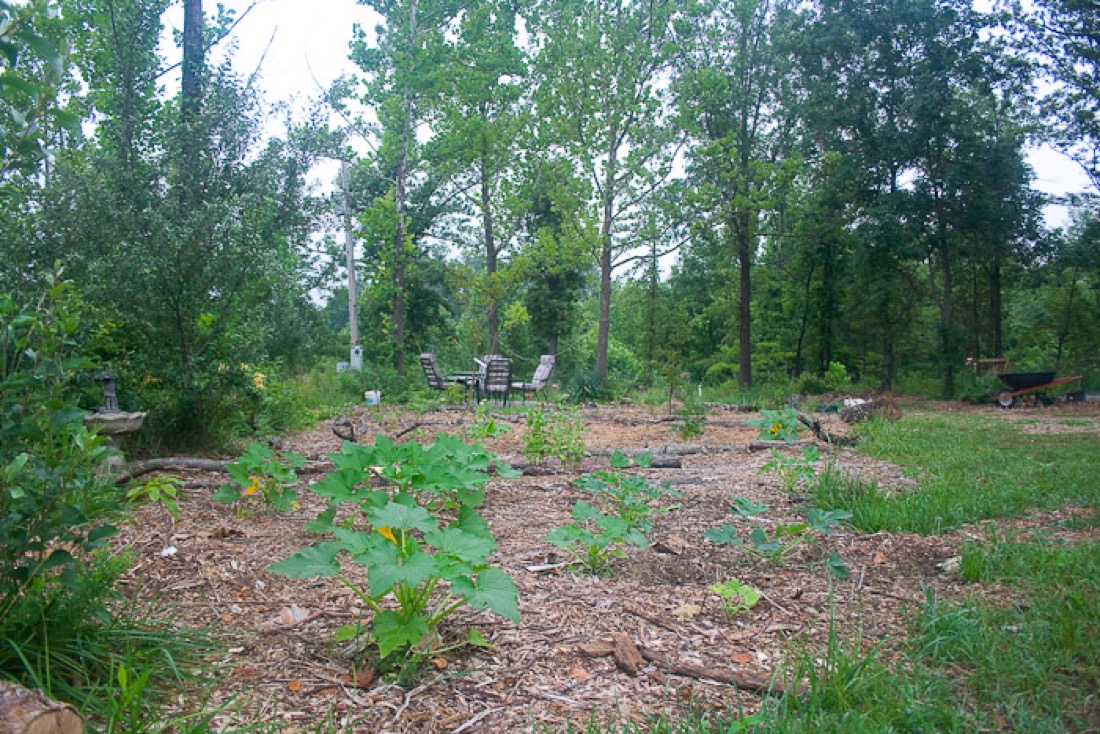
<point>724,194</point>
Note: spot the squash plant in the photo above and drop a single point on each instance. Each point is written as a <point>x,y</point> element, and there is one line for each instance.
<point>415,529</point>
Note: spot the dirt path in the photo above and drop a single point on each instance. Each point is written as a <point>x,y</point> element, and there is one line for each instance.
<point>281,665</point>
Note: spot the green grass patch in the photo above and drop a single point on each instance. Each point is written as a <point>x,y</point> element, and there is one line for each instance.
<point>969,468</point>
<point>1032,656</point>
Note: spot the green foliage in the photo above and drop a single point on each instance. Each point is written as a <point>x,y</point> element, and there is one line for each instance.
<point>163,489</point>
<point>422,529</point>
<point>260,471</point>
<point>554,433</point>
<point>785,538</point>
<point>628,496</point>
<point>626,502</point>
<point>596,538</point>
<point>776,425</point>
<point>794,471</point>
<point>693,421</point>
<point>736,597</point>
<point>53,506</point>
<point>486,426</point>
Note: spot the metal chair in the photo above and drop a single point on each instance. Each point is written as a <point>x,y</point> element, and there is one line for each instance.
<point>540,378</point>
<point>498,378</point>
<point>435,378</point>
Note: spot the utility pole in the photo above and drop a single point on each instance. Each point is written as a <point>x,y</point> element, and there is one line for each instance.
<point>353,298</point>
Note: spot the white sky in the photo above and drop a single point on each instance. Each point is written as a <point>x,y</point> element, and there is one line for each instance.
<point>309,49</point>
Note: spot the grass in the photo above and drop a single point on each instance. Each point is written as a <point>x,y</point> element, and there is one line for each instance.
<point>970,468</point>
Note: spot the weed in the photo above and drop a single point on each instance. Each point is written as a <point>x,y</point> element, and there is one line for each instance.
<point>163,489</point>
<point>793,471</point>
<point>554,434</point>
<point>486,426</point>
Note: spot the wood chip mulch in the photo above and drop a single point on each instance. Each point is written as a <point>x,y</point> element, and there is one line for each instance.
<point>651,639</point>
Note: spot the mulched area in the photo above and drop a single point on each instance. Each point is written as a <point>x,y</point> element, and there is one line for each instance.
<point>281,666</point>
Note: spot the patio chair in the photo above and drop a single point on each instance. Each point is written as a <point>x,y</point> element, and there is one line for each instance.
<point>436,380</point>
<point>541,376</point>
<point>498,378</point>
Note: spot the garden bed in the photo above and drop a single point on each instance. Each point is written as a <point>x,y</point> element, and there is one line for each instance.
<point>281,666</point>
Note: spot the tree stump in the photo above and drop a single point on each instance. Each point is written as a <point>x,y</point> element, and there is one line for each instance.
<point>23,711</point>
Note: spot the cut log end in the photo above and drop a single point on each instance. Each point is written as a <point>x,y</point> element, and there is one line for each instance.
<point>25,711</point>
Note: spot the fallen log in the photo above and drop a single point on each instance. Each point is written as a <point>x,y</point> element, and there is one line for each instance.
<point>744,681</point>
<point>134,469</point>
<point>24,711</point>
<point>660,461</point>
<point>823,434</point>
<point>766,445</point>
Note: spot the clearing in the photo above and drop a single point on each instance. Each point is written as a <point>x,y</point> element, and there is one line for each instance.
<point>281,666</point>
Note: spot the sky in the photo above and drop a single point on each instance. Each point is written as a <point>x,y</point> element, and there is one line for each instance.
<point>309,49</point>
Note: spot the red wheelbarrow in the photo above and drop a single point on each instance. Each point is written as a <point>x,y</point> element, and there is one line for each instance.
<point>1027,383</point>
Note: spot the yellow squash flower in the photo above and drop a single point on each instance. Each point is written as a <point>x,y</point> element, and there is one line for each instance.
<point>254,487</point>
<point>387,534</point>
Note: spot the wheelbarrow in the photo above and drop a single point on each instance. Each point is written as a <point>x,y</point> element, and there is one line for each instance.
<point>1026,383</point>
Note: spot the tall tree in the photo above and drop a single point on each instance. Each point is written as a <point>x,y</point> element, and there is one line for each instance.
<point>735,100</point>
<point>478,125</point>
<point>600,65</point>
<point>401,66</point>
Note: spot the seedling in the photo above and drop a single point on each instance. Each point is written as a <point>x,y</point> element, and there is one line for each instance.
<point>163,489</point>
<point>596,539</point>
<point>736,597</point>
<point>486,426</point>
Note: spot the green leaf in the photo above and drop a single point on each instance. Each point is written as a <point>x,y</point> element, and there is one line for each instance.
<point>565,536</point>
<point>493,589</point>
<point>470,521</point>
<point>347,633</point>
<point>619,460</point>
<point>386,568</point>
<point>466,546</point>
<point>392,632</point>
<point>398,516</point>
<point>66,416</point>
<point>644,460</point>
<point>505,471</point>
<point>323,523</point>
<point>836,567</point>
<point>583,511</point>
<point>475,638</point>
<point>722,535</point>
<point>746,508</point>
<point>226,493</point>
<point>317,560</point>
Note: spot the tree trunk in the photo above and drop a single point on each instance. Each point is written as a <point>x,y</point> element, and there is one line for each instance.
<point>23,711</point>
<point>194,53</point>
<point>493,315</point>
<point>603,336</point>
<point>744,331</point>
<point>996,311</point>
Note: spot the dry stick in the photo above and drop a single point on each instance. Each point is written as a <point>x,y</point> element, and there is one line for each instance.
<point>742,681</point>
